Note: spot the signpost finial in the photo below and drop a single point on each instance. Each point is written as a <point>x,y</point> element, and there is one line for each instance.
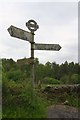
<point>32,25</point>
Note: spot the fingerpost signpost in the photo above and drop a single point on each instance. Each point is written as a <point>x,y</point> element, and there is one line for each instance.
<point>29,36</point>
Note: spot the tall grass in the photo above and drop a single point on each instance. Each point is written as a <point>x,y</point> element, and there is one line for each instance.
<point>18,101</point>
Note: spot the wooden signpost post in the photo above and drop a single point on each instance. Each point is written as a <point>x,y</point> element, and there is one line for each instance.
<point>29,36</point>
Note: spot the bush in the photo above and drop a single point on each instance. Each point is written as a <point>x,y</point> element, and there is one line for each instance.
<point>64,79</point>
<point>75,79</point>
<point>18,101</point>
<point>48,80</point>
<point>70,79</point>
<point>14,75</point>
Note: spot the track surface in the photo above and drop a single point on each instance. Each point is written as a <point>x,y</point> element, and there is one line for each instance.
<point>63,111</point>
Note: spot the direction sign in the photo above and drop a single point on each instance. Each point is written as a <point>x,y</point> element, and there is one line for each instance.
<point>55,47</point>
<point>19,33</point>
<point>29,36</point>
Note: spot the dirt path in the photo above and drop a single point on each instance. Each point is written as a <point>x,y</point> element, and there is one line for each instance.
<point>63,111</point>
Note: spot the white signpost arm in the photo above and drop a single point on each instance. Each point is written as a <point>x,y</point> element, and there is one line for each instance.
<point>19,33</point>
<point>55,47</point>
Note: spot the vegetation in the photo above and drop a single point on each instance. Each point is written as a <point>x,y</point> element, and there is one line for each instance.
<point>19,100</point>
<point>67,73</point>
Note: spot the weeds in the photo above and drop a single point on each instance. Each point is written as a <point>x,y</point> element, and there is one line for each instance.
<point>18,102</point>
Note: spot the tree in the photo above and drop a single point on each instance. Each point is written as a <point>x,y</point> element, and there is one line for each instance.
<point>8,64</point>
<point>71,68</point>
<point>47,68</point>
<point>76,68</point>
<point>39,72</point>
<point>55,70</point>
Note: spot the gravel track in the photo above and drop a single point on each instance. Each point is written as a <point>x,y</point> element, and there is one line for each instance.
<point>63,111</point>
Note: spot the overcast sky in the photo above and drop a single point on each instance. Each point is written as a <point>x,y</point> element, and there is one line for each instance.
<point>58,24</point>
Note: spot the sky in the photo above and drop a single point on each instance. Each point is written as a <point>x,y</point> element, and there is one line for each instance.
<point>58,24</point>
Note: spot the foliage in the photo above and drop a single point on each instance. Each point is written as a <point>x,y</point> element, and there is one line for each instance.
<point>70,79</point>
<point>48,80</point>
<point>64,79</point>
<point>72,99</point>
<point>75,79</point>
<point>39,72</point>
<point>18,71</point>
<point>14,75</point>
<point>19,101</point>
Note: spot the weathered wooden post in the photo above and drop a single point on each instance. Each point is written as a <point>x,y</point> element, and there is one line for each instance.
<point>32,26</point>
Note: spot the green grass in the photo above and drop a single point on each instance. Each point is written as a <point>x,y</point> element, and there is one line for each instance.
<point>18,101</point>
<point>73,100</point>
<point>38,111</point>
<point>38,108</point>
